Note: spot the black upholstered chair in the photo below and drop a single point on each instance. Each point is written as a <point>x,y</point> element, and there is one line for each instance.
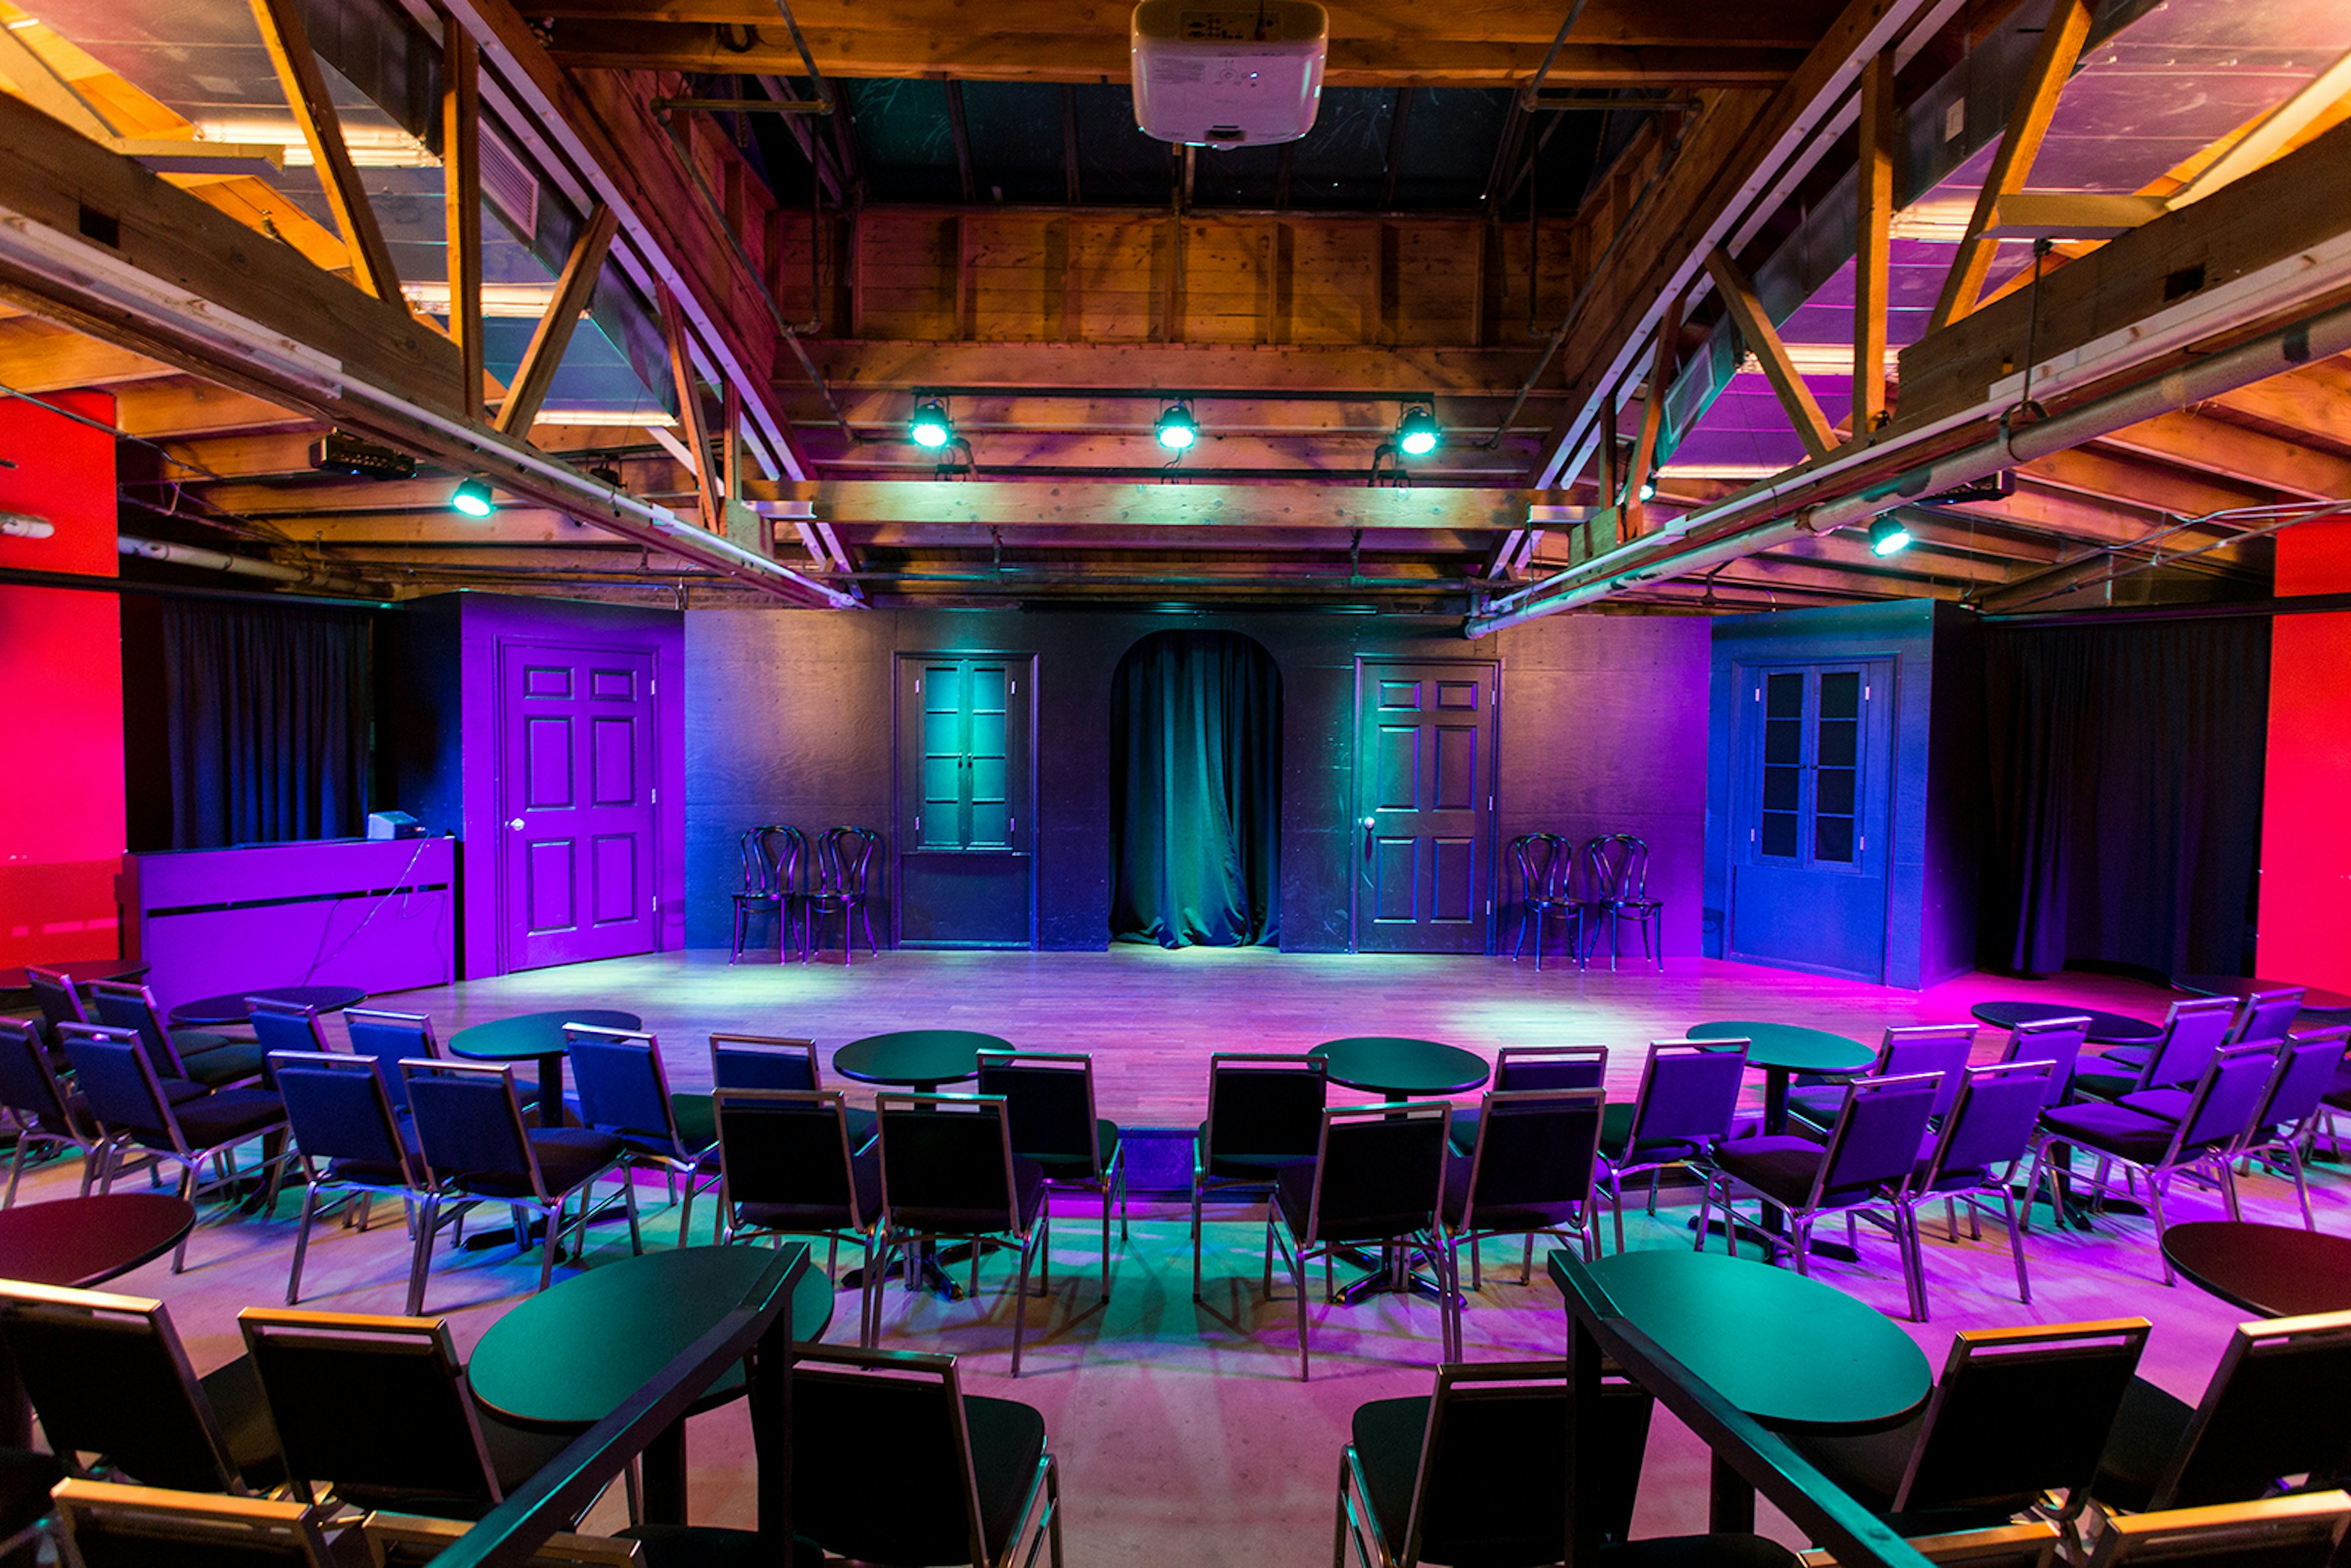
<point>1530,1173</point>
<point>49,1118</point>
<point>352,1147</point>
<point>1521,1067</point>
<point>1265,1113</point>
<point>949,1173</point>
<point>199,1056</point>
<point>778,1061</point>
<point>1685,1108</point>
<point>1938,1048</point>
<point>1048,1097</point>
<point>788,1168</point>
<point>624,1091</point>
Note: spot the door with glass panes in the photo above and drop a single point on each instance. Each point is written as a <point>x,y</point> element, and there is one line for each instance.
<point>965,870</point>
<point>1810,799</point>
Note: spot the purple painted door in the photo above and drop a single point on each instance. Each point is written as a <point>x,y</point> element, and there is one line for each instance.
<point>576,791</point>
<point>1424,807</point>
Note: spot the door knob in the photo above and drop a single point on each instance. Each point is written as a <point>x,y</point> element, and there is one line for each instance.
<point>1369,823</point>
<point>515,824</point>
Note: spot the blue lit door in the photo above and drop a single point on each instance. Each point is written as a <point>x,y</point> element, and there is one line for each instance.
<point>1809,801</point>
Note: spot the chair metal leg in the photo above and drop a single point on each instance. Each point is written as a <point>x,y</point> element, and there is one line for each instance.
<point>1298,1280</point>
<point>1105,1252</point>
<point>301,1242</point>
<point>1028,1247</point>
<point>2301,1187</point>
<point>1705,1209</point>
<point>550,1246</point>
<point>2155,1185</point>
<point>420,1254</point>
<point>2016,1245</point>
<point>1195,1239</point>
<point>629,1201</point>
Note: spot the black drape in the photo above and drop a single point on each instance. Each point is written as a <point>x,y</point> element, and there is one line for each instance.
<point>1196,793</point>
<point>269,717</point>
<point>2126,769</point>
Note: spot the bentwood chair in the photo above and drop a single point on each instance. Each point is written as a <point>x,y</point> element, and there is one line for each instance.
<point>969,1479</point>
<point>1867,1163</point>
<point>1624,864</point>
<point>2279,1405</point>
<point>2288,1121</point>
<point>1048,1098</point>
<point>1684,1109</point>
<point>1543,861</point>
<point>129,1105</point>
<point>1529,1174</point>
<point>2018,1416</point>
<point>49,1118</point>
<point>2193,1032</point>
<point>773,871</point>
<point>1521,1067</point>
<point>376,1411</point>
<point>949,1173</point>
<point>2218,1116</point>
<point>1975,1158</point>
<point>197,1055</point>
<point>1474,1471</point>
<point>624,1091</point>
<point>778,1061</point>
<point>117,1395</point>
<point>787,1168</point>
<point>1264,1115</point>
<point>844,867</point>
<point>470,1129</point>
<point>351,1146</point>
<point>1377,1178</point>
<point>1941,1048</point>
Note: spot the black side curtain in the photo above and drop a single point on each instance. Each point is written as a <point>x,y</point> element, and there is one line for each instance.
<point>269,716</point>
<point>2126,794</point>
<point>1196,793</point>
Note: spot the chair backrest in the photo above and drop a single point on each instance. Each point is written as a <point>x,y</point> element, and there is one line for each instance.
<point>108,1378</point>
<point>1536,1148</point>
<point>2229,1096</point>
<point>2278,1404</point>
<point>2193,1032</point>
<point>108,1525</point>
<point>1264,1106</point>
<point>1049,1099</point>
<point>2018,1412</point>
<point>285,1025</point>
<point>392,1038</point>
<point>53,989</point>
<point>623,1086</point>
<point>1493,1458</point>
<point>125,1004</point>
<point>1938,1048</point>
<point>762,861</point>
<point>335,1109</point>
<point>2305,1071</point>
<point>469,1124</point>
<point>2056,1040</point>
<point>379,1406</point>
<point>1627,860</point>
<point>117,1080</point>
<point>763,1062</point>
<point>1380,1170</point>
<point>1543,860</point>
<point>28,1086</point>
<point>1992,1123</point>
<point>1588,871</point>
<point>1688,1094</point>
<point>1876,1142</point>
<point>2031,1545</point>
<point>850,1405</point>
<point>785,1147</point>
<point>1517,1067</point>
<point>844,858</point>
<point>414,1541</point>
<point>2303,1531</point>
<point>946,1163</point>
<point>2267,1015</point>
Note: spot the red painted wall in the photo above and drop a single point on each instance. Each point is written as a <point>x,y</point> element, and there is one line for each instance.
<point>2306,931</point>
<point>61,835</point>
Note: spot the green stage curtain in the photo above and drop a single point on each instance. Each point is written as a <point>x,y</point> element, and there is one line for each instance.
<point>1196,793</point>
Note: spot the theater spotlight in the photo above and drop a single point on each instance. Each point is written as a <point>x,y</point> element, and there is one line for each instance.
<point>1887,535</point>
<point>930,427</point>
<point>1177,429</point>
<point>472,497</point>
<point>1418,432</point>
<point>1648,489</point>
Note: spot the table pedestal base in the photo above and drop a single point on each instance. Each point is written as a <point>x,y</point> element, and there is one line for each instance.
<point>1771,1240</point>
<point>931,1262</point>
<point>1385,1276</point>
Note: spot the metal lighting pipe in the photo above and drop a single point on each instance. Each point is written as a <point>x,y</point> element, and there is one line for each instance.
<point>2285,349</point>
<point>209,560</point>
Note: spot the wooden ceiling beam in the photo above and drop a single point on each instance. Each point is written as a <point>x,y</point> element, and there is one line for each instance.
<point>286,35</point>
<point>1141,369</point>
<point>183,406</point>
<point>1281,507</point>
<point>2194,438</point>
<point>2109,477</point>
<point>38,358</point>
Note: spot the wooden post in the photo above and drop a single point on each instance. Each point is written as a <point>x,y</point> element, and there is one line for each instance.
<point>1874,247</point>
<point>287,39</point>
<point>691,425</point>
<point>536,374</point>
<point>1802,409</point>
<point>461,201</point>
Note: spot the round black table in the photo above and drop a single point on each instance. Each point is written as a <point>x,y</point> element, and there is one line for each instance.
<point>2276,1271</point>
<point>2106,1027</point>
<point>2327,1004</point>
<point>568,1357</point>
<point>229,1006</point>
<point>78,1242</point>
<point>82,973</point>
<point>1784,1049</point>
<point>916,1058</point>
<point>1401,1068</point>
<point>538,1037</point>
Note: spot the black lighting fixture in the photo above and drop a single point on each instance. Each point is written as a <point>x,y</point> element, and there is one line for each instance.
<point>929,427</point>
<point>471,499</point>
<point>1887,535</point>
<point>1177,430</point>
<point>1418,434</point>
<point>605,474</point>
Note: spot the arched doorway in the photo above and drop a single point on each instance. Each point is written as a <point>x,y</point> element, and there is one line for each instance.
<point>1196,793</point>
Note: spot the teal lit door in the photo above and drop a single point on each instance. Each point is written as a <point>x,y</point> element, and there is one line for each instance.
<point>967,822</point>
<point>1810,799</point>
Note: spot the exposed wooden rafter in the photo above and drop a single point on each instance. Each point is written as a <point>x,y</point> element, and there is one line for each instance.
<point>1764,341</point>
<point>460,201</point>
<point>287,37</point>
<point>1873,249</point>
<point>536,374</point>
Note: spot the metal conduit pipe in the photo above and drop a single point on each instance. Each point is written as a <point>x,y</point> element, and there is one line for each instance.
<point>209,560</point>
<point>2288,348</point>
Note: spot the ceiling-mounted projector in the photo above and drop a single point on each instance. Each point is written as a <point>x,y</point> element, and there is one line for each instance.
<point>1235,75</point>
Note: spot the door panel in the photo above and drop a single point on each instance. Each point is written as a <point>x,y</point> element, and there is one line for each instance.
<point>1424,737</point>
<point>576,791</point>
<point>965,871</point>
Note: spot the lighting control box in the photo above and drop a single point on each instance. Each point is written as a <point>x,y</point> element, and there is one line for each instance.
<point>1234,75</point>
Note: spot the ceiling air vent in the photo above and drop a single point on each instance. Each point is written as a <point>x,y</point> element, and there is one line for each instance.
<point>512,188</point>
